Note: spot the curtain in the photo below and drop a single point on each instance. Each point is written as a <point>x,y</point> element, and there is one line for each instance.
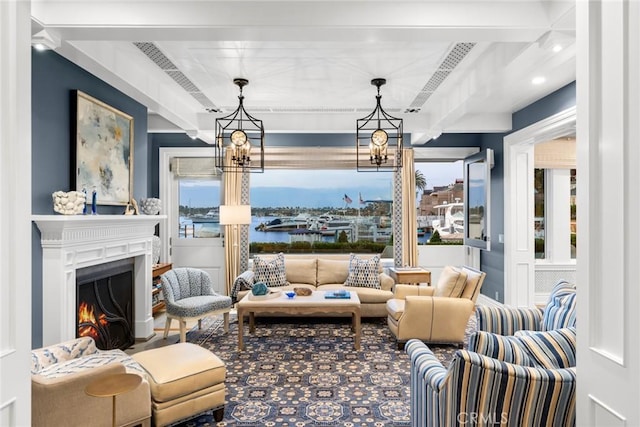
<point>232,196</point>
<point>409,220</point>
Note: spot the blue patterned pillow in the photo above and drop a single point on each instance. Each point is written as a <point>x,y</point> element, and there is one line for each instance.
<point>364,273</point>
<point>272,272</point>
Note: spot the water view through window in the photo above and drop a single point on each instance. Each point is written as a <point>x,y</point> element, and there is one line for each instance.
<point>332,210</point>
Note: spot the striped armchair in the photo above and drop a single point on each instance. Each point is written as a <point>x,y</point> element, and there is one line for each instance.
<point>477,389</point>
<point>560,312</point>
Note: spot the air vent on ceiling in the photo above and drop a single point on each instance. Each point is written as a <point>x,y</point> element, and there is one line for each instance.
<point>159,58</point>
<point>450,62</point>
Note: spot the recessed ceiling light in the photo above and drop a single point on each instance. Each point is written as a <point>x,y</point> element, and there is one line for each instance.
<point>557,48</point>
<point>538,80</point>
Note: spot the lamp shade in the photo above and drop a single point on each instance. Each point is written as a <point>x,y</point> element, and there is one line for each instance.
<point>235,214</point>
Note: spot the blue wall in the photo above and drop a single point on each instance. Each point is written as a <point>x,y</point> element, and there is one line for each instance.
<point>52,82</point>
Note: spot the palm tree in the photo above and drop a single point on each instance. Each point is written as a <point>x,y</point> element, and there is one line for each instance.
<point>421,182</point>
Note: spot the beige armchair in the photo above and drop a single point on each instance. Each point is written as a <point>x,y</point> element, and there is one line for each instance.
<point>435,314</point>
<point>59,375</point>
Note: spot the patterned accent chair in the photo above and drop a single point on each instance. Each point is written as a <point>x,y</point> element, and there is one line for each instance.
<point>435,314</point>
<point>560,312</point>
<point>60,374</point>
<point>529,380</point>
<point>188,294</point>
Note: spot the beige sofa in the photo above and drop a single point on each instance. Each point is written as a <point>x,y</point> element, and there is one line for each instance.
<point>325,274</point>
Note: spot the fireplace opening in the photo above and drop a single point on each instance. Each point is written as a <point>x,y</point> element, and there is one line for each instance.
<point>105,301</point>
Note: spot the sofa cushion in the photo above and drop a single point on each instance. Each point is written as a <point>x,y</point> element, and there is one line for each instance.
<point>301,270</point>
<point>272,273</point>
<point>364,272</point>
<point>331,271</point>
<point>550,349</point>
<point>451,283</point>
<point>395,308</point>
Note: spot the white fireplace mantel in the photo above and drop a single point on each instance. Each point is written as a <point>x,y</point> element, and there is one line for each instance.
<point>70,242</point>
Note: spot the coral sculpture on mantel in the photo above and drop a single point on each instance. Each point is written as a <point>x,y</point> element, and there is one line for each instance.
<point>150,206</point>
<point>69,203</point>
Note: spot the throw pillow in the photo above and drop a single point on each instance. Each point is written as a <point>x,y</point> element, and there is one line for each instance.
<point>560,312</point>
<point>364,273</point>
<point>550,349</point>
<point>504,348</point>
<point>451,283</point>
<point>272,273</point>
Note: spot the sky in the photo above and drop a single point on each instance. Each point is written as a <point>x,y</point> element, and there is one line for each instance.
<point>318,188</point>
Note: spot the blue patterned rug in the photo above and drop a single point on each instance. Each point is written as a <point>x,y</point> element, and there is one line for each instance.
<point>305,372</point>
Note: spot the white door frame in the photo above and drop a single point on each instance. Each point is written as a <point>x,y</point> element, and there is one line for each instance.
<point>166,194</point>
<point>519,259</point>
<point>15,218</point>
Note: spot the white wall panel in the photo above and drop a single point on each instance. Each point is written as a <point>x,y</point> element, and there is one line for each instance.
<point>15,223</point>
<point>608,204</point>
<point>603,415</point>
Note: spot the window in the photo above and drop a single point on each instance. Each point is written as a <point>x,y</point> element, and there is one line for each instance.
<point>539,215</point>
<point>330,210</point>
<point>573,217</point>
<point>554,214</point>
<point>199,210</point>
<point>440,200</point>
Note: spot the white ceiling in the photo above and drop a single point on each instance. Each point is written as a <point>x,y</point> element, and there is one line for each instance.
<point>310,63</point>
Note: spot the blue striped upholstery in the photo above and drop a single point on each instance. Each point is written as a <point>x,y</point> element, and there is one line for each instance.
<point>550,349</point>
<point>479,390</point>
<point>547,349</point>
<point>506,348</point>
<point>507,320</point>
<point>560,312</point>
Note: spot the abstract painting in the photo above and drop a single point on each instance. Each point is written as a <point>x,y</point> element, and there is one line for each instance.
<point>103,151</point>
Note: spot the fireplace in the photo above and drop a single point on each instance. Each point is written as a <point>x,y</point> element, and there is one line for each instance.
<point>71,243</point>
<point>104,309</point>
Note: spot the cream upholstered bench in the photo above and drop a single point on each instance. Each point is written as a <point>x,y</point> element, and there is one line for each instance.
<point>185,379</point>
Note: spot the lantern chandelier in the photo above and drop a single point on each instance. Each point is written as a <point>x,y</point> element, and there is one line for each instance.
<point>378,138</point>
<point>239,139</point>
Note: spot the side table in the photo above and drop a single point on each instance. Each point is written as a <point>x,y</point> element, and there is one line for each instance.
<point>112,386</point>
<point>410,275</point>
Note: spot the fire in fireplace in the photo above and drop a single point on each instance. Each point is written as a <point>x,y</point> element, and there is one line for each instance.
<point>105,304</point>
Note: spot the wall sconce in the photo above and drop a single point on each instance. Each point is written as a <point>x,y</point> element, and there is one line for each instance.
<point>243,136</point>
<point>376,135</point>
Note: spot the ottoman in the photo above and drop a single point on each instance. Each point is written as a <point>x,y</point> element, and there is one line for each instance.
<point>185,380</point>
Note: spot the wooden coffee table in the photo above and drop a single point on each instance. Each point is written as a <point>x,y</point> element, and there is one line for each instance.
<point>315,303</point>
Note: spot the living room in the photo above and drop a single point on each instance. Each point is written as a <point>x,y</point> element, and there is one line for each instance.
<point>51,166</point>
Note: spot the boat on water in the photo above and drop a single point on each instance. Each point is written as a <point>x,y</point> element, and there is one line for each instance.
<point>450,222</point>
<point>212,216</point>
<point>286,223</point>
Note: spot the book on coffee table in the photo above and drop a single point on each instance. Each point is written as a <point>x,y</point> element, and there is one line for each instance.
<point>339,294</point>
